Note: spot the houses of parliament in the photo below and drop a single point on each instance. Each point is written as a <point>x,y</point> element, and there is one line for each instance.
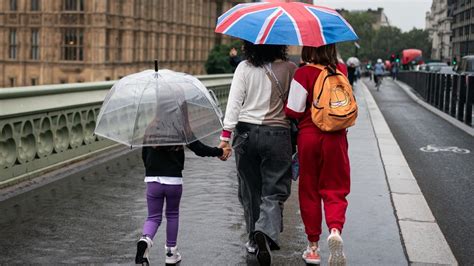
<point>68,41</point>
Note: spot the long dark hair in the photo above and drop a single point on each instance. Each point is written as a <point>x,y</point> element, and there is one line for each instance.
<point>261,54</point>
<point>325,55</point>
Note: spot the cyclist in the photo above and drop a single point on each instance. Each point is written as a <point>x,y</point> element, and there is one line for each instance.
<point>379,70</point>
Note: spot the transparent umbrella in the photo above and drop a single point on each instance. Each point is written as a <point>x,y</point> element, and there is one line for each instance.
<point>353,61</point>
<point>158,108</point>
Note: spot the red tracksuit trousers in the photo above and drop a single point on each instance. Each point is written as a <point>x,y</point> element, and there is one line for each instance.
<point>324,179</point>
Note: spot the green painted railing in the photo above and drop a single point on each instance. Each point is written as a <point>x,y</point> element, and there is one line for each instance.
<point>43,128</point>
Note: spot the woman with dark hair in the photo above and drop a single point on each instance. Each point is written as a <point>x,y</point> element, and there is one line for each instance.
<point>255,114</point>
<point>323,158</point>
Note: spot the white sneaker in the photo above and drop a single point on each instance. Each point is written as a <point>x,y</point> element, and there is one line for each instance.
<point>311,255</point>
<point>251,247</point>
<point>172,255</point>
<point>143,248</point>
<point>335,244</point>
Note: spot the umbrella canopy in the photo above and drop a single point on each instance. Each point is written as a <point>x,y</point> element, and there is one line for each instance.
<point>409,55</point>
<point>158,109</point>
<point>353,61</point>
<point>291,23</point>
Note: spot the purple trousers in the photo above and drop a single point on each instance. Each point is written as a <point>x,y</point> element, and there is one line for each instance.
<point>156,194</point>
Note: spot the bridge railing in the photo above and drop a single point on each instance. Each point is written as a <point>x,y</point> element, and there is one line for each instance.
<point>450,93</point>
<point>43,128</point>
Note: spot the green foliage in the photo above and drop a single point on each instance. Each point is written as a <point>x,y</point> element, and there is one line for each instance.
<point>362,24</point>
<point>419,39</point>
<point>218,59</point>
<point>383,42</point>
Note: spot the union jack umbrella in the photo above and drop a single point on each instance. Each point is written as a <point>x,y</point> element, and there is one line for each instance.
<point>285,23</point>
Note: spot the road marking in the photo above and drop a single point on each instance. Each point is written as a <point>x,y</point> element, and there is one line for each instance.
<point>435,148</point>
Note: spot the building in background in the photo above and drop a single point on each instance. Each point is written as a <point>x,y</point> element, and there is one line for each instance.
<point>66,41</point>
<point>462,27</point>
<point>438,24</point>
<point>381,20</point>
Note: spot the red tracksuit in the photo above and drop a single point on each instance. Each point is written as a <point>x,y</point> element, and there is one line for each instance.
<point>323,158</point>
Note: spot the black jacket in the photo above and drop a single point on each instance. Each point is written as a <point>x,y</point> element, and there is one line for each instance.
<point>169,161</point>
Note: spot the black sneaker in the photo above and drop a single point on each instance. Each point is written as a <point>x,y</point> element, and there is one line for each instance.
<point>264,255</point>
<point>143,247</point>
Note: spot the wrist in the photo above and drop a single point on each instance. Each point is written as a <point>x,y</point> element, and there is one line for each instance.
<point>225,136</point>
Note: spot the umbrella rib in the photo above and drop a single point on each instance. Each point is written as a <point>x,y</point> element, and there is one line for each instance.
<point>238,15</point>
<point>234,9</point>
<point>333,13</point>
<point>268,26</point>
<point>321,30</point>
<point>295,25</point>
<point>136,112</point>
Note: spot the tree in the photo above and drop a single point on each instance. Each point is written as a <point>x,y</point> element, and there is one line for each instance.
<point>383,42</point>
<point>218,59</point>
<point>362,24</point>
<point>387,41</point>
<point>419,39</point>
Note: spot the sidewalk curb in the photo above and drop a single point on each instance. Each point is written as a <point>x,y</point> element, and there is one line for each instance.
<point>420,234</point>
<point>469,130</point>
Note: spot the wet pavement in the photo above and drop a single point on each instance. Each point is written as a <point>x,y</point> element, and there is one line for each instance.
<point>95,216</point>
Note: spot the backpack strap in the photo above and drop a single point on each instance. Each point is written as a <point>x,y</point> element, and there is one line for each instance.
<point>331,71</point>
<point>271,75</point>
<point>318,66</point>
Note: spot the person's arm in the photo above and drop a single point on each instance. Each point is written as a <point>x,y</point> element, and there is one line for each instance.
<point>203,150</point>
<point>234,60</point>
<point>297,98</point>
<point>234,102</point>
<point>144,154</point>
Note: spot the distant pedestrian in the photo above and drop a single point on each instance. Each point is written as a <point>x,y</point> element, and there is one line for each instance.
<point>379,70</point>
<point>394,70</point>
<point>164,182</point>
<point>351,73</point>
<point>357,73</point>
<point>323,160</point>
<point>234,58</point>
<point>262,143</point>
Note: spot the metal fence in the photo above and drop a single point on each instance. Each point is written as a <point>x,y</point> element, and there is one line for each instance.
<point>44,128</point>
<point>450,93</point>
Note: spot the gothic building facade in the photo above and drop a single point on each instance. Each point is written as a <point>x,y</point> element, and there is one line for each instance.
<point>66,41</point>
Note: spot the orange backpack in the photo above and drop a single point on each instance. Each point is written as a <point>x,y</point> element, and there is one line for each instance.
<point>334,106</point>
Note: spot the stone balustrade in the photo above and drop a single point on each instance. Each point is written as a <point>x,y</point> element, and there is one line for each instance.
<point>46,127</point>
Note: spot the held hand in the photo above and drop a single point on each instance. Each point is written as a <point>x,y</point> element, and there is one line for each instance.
<point>227,150</point>
<point>226,154</point>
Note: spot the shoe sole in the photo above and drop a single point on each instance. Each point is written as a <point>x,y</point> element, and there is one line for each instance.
<point>336,257</point>
<point>169,263</point>
<point>264,256</point>
<point>312,261</point>
<point>140,258</point>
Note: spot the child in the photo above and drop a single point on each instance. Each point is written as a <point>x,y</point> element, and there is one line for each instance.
<point>163,176</point>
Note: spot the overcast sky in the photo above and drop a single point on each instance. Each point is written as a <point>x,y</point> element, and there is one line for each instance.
<point>404,14</point>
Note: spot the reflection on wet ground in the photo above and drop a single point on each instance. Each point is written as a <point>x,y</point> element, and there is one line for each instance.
<point>96,216</point>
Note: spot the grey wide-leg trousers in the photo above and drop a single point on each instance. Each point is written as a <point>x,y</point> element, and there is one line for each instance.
<point>263,158</point>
